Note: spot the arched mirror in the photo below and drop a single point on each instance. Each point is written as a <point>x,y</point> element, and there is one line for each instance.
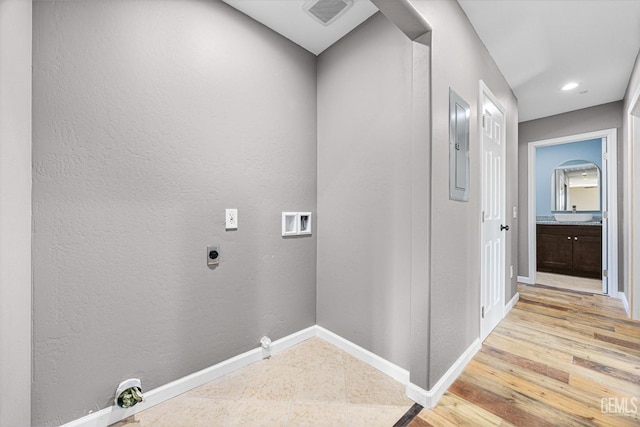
<point>575,183</point>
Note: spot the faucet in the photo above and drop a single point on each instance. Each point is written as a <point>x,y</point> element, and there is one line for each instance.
<point>573,209</point>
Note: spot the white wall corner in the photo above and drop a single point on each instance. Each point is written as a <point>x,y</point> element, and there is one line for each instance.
<point>526,280</point>
<point>625,302</point>
<point>394,371</point>
<point>511,303</point>
<point>430,398</point>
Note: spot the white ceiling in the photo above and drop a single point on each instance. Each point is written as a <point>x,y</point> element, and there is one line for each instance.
<point>539,45</point>
<point>288,18</point>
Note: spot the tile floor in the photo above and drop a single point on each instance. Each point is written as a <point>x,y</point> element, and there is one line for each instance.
<point>569,282</point>
<point>310,384</point>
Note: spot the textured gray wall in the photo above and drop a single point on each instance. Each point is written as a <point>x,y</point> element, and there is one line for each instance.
<point>151,118</point>
<point>634,84</point>
<point>459,60</point>
<point>15,212</point>
<point>364,189</point>
<point>591,119</point>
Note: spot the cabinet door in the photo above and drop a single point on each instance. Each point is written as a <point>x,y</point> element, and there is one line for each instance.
<point>554,253</point>
<point>587,256</point>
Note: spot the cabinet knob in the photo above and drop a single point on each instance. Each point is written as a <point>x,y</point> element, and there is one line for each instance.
<point>569,238</point>
<point>575,238</point>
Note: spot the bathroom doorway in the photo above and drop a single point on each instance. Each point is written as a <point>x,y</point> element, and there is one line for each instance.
<point>572,199</point>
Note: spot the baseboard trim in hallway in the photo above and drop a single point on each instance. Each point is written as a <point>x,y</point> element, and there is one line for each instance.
<point>430,398</point>
<point>511,303</point>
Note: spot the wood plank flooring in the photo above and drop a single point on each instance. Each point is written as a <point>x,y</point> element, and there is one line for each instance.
<point>569,282</point>
<point>559,358</point>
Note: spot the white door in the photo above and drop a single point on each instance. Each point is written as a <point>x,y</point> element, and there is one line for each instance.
<point>494,224</point>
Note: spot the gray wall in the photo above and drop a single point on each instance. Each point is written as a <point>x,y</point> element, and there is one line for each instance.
<point>364,189</point>
<point>151,118</point>
<point>605,116</point>
<point>634,84</point>
<point>459,60</point>
<point>15,212</point>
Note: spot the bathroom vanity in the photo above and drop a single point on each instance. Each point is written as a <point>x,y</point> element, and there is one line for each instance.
<point>574,250</point>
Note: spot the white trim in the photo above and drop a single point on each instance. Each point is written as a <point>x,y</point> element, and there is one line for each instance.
<point>622,297</point>
<point>531,208</point>
<point>632,191</point>
<point>165,392</point>
<point>394,371</point>
<point>511,303</point>
<point>525,280</point>
<point>612,194</point>
<point>430,398</point>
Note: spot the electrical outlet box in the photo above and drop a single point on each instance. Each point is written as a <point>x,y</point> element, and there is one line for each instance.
<point>213,256</point>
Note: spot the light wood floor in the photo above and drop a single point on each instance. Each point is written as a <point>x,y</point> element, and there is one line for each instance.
<point>569,282</point>
<point>550,362</point>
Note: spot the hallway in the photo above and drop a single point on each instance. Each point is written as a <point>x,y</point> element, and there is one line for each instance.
<point>558,358</point>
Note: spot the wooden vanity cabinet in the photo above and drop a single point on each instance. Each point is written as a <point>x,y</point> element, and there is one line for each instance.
<point>574,250</point>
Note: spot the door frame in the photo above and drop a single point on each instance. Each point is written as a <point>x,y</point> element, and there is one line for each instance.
<point>612,202</point>
<point>632,197</point>
<point>486,93</point>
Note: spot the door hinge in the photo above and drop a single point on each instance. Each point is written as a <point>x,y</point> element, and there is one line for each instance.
<point>484,121</point>
<point>605,214</point>
<point>483,312</point>
<point>605,156</point>
<point>483,217</point>
<point>605,273</point>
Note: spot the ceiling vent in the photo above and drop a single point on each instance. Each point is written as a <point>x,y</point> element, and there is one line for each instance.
<point>327,11</point>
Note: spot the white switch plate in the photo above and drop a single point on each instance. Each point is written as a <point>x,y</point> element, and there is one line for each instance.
<point>231,219</point>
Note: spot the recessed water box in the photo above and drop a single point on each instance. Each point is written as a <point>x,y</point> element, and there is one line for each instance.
<point>289,223</point>
<point>304,222</point>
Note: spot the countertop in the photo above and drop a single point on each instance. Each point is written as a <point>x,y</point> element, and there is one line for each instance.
<point>598,223</point>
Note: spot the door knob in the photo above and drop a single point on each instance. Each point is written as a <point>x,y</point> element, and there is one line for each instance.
<point>504,227</point>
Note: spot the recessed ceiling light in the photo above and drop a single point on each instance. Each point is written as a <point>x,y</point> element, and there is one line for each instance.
<point>569,86</point>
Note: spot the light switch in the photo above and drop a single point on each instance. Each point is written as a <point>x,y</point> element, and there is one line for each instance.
<point>231,219</point>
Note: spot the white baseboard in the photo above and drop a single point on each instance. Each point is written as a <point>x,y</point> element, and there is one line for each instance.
<point>625,302</point>
<point>526,280</point>
<point>168,391</point>
<point>430,398</point>
<point>394,371</point>
<point>511,303</point>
